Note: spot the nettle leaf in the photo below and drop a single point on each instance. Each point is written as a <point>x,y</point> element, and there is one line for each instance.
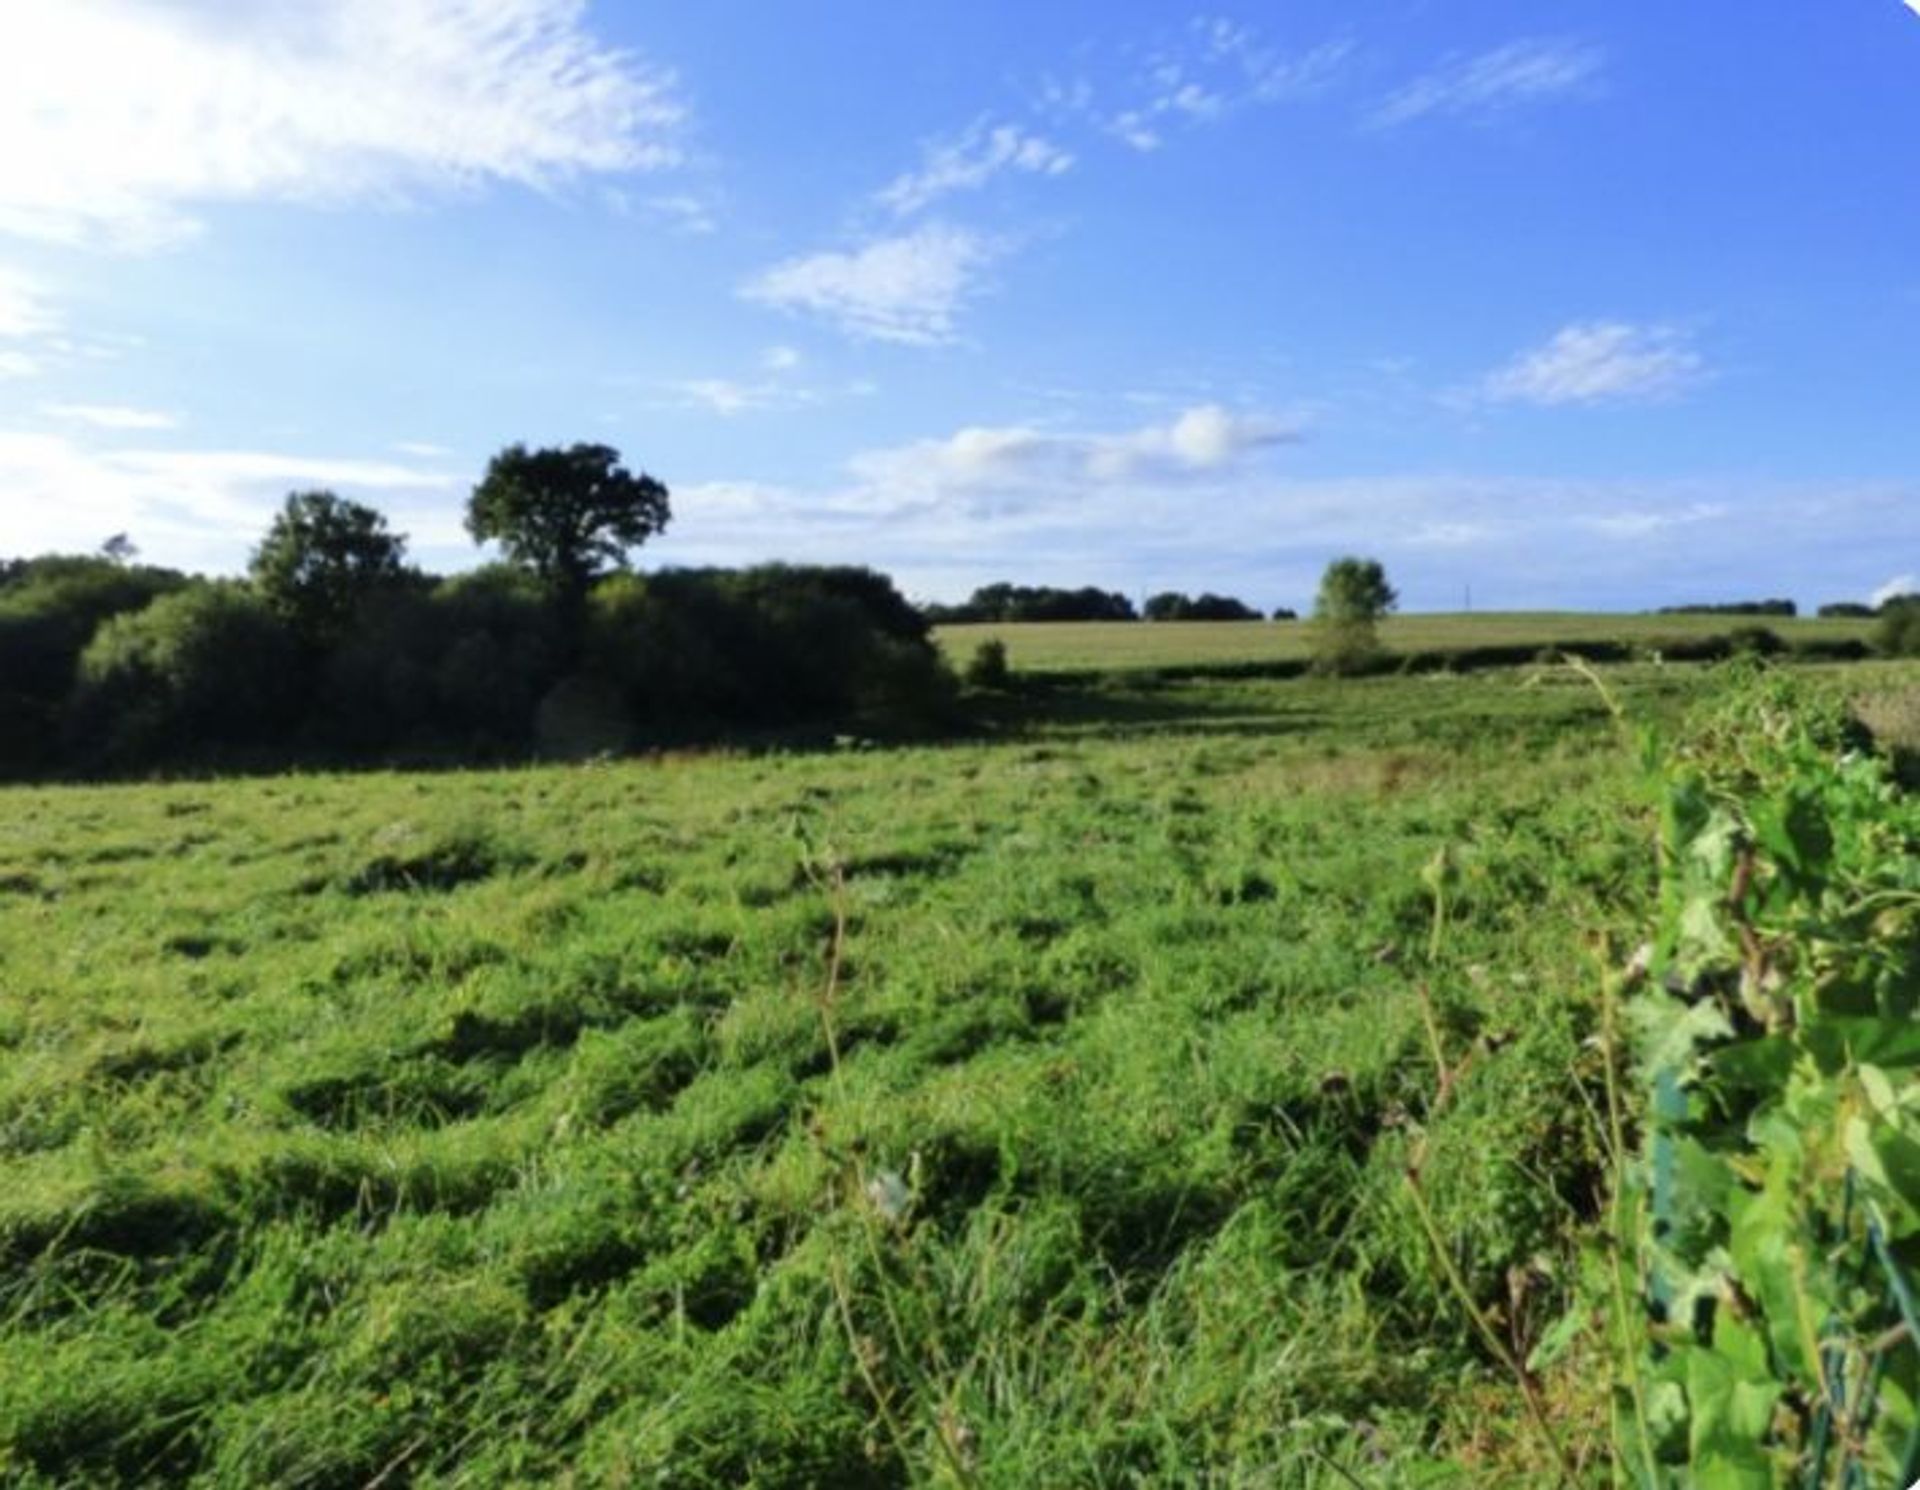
<point>1762,1229</point>
<point>1731,1400</point>
<point>1794,829</point>
<point>1884,1146</point>
<point>1672,1035</point>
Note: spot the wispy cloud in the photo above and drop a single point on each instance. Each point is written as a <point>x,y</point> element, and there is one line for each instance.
<point>1645,522</point>
<point>26,309</point>
<point>111,416</point>
<point>983,151</point>
<point>1492,82</point>
<point>27,318</point>
<point>1215,68</point>
<point>1597,362</point>
<point>908,289</point>
<point>121,117</point>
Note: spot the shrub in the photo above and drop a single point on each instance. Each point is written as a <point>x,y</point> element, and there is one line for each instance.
<point>1755,641</point>
<point>1898,634</point>
<point>198,672</point>
<point>987,668</point>
<point>50,609</point>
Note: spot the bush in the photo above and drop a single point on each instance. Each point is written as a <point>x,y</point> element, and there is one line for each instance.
<point>198,673</point>
<point>50,609</point>
<point>779,646</point>
<point>461,668</point>
<point>1755,641</point>
<point>987,668</point>
<point>1898,634</point>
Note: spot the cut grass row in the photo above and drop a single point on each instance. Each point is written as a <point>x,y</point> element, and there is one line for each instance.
<point>1104,645</point>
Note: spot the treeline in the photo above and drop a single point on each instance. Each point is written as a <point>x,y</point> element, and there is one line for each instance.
<point>1009,602</point>
<point>335,650</point>
<point>1733,608</point>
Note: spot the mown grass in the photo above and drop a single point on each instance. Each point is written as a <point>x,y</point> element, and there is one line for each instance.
<point>1026,1112</point>
<point>1099,645</point>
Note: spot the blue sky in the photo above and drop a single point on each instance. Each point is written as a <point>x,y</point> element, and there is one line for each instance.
<point>1576,305</point>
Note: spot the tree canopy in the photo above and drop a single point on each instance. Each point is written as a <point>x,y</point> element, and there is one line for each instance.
<point>568,515</point>
<point>321,557</point>
<point>1354,595</point>
<point>1353,590</point>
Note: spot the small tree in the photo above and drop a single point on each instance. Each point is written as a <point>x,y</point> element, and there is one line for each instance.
<point>1354,595</point>
<point>321,558</point>
<point>567,515</point>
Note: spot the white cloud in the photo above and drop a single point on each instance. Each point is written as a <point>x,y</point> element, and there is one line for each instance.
<point>690,214</point>
<point>25,308</point>
<point>18,365</point>
<point>1017,502</point>
<point>908,289</point>
<point>193,508</point>
<point>1021,460</point>
<point>970,162</point>
<point>1900,584</point>
<point>110,416</point>
<point>422,449</point>
<point>726,395</point>
<point>121,116</point>
<point>780,359</point>
<point>1491,82</point>
<point>1644,523</point>
<point>1593,362</point>
<point>1219,67</point>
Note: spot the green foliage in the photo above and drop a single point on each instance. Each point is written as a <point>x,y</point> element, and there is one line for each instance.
<point>568,515</point>
<point>49,611</point>
<point>1171,605</point>
<point>987,668</point>
<point>1769,1219</point>
<point>772,647</point>
<point>323,558</point>
<point>489,1125</point>
<point>210,665</point>
<point>1898,634</point>
<point>1354,596</point>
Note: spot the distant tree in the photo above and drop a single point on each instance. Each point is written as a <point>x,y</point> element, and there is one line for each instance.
<point>1732,608</point>
<point>1168,605</point>
<point>1354,596</point>
<point>1282,613</point>
<point>567,515</point>
<point>321,558</point>
<point>1008,602</point>
<point>120,549</point>
<point>1211,607</point>
<point>1848,609</point>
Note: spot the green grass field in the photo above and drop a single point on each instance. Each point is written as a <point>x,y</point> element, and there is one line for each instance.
<point>1029,1112</point>
<point>1094,645</point>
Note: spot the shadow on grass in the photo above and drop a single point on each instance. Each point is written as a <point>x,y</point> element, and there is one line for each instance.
<point>1109,712</point>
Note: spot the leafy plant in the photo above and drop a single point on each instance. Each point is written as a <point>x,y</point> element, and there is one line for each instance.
<point>1769,1214</point>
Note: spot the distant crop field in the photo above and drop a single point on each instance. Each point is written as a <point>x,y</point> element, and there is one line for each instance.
<point>1138,644</point>
<point>1028,1112</point>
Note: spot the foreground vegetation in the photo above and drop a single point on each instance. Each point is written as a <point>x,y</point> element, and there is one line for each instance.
<point>1031,1112</point>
